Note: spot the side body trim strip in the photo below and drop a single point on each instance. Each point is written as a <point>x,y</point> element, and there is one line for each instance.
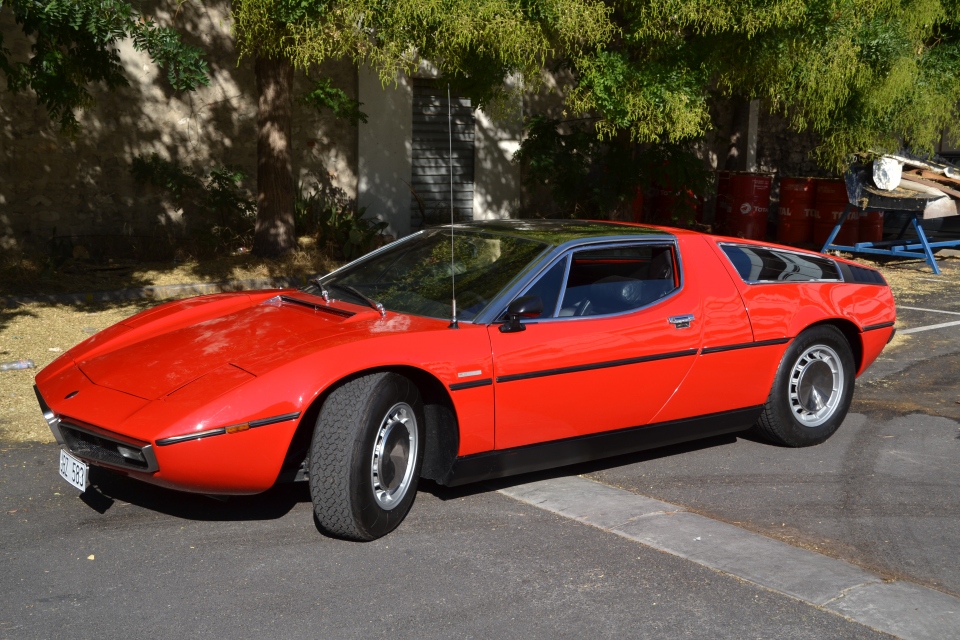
<point>882,325</point>
<point>253,424</point>
<point>459,386</point>
<point>547,455</point>
<point>596,365</point>
<point>265,421</point>
<point>745,345</point>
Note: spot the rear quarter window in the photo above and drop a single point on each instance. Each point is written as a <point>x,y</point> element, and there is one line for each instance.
<point>765,264</point>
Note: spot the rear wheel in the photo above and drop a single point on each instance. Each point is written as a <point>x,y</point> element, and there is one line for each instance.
<point>366,455</point>
<point>812,391</point>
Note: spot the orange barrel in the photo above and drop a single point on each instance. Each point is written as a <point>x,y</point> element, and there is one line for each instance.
<point>636,207</point>
<point>749,204</point>
<point>667,203</point>
<point>795,217</point>
<point>830,201</point>
<point>871,226</point>
<point>723,201</point>
<point>650,201</point>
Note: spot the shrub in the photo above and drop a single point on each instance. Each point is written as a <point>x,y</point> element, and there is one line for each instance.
<point>219,216</point>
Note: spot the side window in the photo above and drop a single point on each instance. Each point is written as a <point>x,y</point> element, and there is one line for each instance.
<point>548,287</point>
<point>762,264</point>
<point>604,281</point>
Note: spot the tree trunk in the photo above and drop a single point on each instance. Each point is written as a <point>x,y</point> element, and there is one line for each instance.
<point>274,235</point>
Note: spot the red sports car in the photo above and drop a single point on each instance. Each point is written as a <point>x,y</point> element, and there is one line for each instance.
<point>572,341</point>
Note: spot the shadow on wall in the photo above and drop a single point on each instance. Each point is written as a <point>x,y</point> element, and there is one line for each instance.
<point>536,201</point>
<point>84,186</point>
<point>497,188</point>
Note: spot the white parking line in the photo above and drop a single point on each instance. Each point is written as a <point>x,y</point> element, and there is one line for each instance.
<point>952,313</point>
<point>901,608</point>
<point>929,327</point>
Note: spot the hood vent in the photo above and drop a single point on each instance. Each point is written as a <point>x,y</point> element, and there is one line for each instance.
<point>317,307</point>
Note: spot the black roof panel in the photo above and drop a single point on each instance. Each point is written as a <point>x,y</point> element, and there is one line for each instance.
<point>560,231</point>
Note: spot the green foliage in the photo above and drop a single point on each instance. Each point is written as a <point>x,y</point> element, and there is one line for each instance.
<point>326,96</point>
<point>340,229</point>
<point>73,44</point>
<point>346,233</point>
<point>863,74</point>
<point>595,178</point>
<point>168,175</point>
<point>219,215</point>
<point>478,44</point>
<point>308,206</point>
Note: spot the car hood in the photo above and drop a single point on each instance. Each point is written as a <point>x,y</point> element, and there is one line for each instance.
<point>160,364</point>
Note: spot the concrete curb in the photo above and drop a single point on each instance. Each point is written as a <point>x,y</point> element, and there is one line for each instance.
<point>903,609</point>
<point>160,292</point>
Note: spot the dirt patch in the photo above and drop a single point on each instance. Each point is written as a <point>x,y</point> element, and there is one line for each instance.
<point>41,333</point>
<point>929,386</point>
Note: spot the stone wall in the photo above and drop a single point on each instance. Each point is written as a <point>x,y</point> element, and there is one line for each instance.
<point>84,185</point>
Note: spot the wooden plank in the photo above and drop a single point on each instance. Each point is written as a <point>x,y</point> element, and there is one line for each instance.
<point>936,184</point>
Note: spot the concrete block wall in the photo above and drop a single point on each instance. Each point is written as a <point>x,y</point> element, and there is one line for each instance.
<point>84,185</point>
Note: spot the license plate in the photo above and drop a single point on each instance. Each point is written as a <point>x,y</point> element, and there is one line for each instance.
<point>74,470</point>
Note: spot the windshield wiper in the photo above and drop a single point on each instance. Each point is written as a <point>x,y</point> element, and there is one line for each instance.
<point>366,299</point>
<point>323,289</point>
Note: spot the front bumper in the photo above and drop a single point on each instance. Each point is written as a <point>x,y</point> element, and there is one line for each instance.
<point>95,445</point>
<point>236,460</point>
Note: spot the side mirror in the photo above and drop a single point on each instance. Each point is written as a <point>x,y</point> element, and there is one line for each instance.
<point>525,307</point>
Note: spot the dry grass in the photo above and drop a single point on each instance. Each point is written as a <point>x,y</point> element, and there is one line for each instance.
<point>41,333</point>
<point>25,276</point>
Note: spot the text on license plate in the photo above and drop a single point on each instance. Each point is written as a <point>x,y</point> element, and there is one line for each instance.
<point>74,470</point>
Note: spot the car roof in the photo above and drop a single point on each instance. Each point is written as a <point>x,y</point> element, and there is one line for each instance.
<point>559,232</point>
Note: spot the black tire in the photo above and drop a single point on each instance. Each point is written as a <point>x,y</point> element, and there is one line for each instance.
<point>796,413</point>
<point>341,459</point>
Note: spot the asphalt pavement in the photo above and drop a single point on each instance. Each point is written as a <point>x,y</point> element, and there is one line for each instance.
<point>880,493</point>
<point>465,564</point>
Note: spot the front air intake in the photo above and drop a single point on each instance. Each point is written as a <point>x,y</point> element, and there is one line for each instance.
<point>98,448</point>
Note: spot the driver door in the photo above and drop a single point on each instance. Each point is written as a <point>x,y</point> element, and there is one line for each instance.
<point>613,344</point>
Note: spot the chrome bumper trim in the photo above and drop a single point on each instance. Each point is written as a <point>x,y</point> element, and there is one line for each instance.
<point>53,420</point>
<point>149,457</point>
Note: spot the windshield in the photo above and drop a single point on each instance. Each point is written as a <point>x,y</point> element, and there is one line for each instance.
<point>414,276</point>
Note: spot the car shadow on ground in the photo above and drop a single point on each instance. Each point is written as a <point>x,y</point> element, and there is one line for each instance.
<point>453,493</point>
<point>108,487</point>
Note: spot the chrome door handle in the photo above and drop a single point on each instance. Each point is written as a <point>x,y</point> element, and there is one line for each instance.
<point>681,322</point>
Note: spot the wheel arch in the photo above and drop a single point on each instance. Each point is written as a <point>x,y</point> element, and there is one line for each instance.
<point>851,332</point>
<point>441,428</point>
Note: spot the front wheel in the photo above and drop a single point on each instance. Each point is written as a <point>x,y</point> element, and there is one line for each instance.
<point>812,391</point>
<point>366,455</point>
